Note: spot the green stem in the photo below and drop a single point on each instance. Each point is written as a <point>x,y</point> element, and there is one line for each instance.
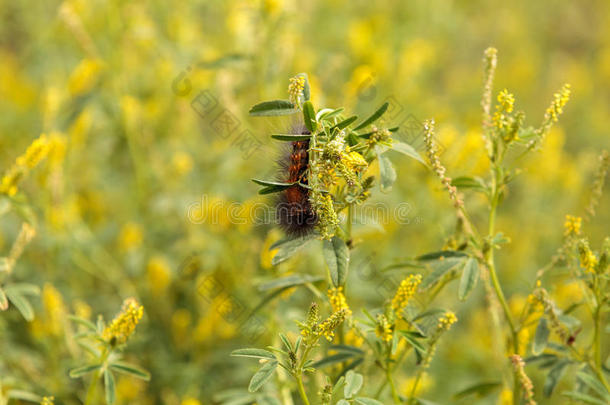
<point>388,375</point>
<point>92,387</point>
<point>298,375</point>
<point>302,392</point>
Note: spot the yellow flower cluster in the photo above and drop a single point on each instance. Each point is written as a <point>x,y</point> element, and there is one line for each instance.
<point>37,151</point>
<point>560,99</point>
<point>383,329</point>
<point>506,103</point>
<point>445,321</point>
<point>355,161</point>
<point>327,327</point>
<point>47,401</point>
<point>124,324</point>
<point>338,301</point>
<point>588,260</point>
<point>406,290</point>
<point>572,225</point>
<point>295,89</point>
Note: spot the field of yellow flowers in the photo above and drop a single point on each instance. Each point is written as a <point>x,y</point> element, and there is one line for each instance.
<point>454,162</point>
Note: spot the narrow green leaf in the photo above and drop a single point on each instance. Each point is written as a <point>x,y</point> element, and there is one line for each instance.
<point>347,349</point>
<point>345,123</point>
<point>387,173</point>
<point>333,359</point>
<point>410,337</point>
<point>23,395</point>
<point>481,389</point>
<point>23,289</point>
<point>80,371</point>
<point>367,401</point>
<point>262,375</point>
<point>109,387</point>
<point>291,137</point>
<point>593,383</point>
<point>289,247</point>
<point>553,377</point>
<point>440,269</point>
<point>81,321</point>
<point>374,117</point>
<point>336,255</point>
<point>21,303</point>
<point>273,108</point>
<point>409,151</point>
<point>541,337</point>
<point>271,186</point>
<point>353,383</point>
<point>464,182</point>
<point>470,276</point>
<point>252,352</point>
<point>343,402</point>
<point>446,254</point>
<point>286,342</point>
<point>131,369</point>
<point>327,113</point>
<point>309,116</point>
<point>587,399</point>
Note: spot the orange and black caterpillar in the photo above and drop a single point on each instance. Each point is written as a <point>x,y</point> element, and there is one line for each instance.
<point>294,212</point>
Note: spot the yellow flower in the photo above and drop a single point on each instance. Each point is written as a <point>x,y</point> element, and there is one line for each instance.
<point>560,99</point>
<point>190,401</point>
<point>327,327</point>
<point>182,163</point>
<point>587,258</point>
<point>295,89</point>
<point>37,151</point>
<point>337,300</point>
<point>383,330</point>
<point>572,225</point>
<point>47,401</point>
<point>54,308</point>
<point>406,290</point>
<point>158,271</point>
<point>445,321</point>
<point>124,324</point>
<point>130,236</point>
<point>84,76</point>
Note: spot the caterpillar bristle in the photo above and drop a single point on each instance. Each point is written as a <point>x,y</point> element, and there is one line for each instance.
<point>294,212</point>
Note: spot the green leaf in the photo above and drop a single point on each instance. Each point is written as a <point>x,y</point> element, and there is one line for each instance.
<point>23,395</point>
<point>468,182</point>
<point>289,281</point>
<point>306,88</point>
<point>3,300</point>
<point>271,186</point>
<point>336,255</point>
<point>291,137</point>
<point>367,401</point>
<point>343,402</point>
<point>131,369</point>
<point>289,247</point>
<point>353,383</point>
<point>411,337</point>
<point>273,108</point>
<point>386,171</point>
<point>470,276</point>
<point>374,117</point>
<point>23,289</point>
<point>333,359</point>
<point>326,114</point>
<point>286,342</point>
<point>347,349</point>
<point>541,337</point>
<point>255,353</point>
<point>587,399</point>
<point>109,387</point>
<point>440,269</point>
<point>309,116</point>
<point>553,377</point>
<point>262,375</point>
<point>593,383</point>
<point>442,254</point>
<point>80,371</point>
<point>345,123</point>
<point>480,389</point>
<point>21,303</point>
<point>409,151</point>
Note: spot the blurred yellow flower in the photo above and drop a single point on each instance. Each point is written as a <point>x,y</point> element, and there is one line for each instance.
<point>190,401</point>
<point>159,273</point>
<point>84,76</point>
<point>130,236</point>
<point>572,225</point>
<point>182,163</point>
<point>54,308</point>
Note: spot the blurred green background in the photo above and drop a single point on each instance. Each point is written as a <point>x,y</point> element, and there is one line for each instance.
<point>119,86</point>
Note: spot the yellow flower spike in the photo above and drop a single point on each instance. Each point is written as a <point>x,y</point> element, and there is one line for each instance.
<point>124,324</point>
<point>383,330</point>
<point>406,290</point>
<point>588,260</point>
<point>445,321</point>
<point>33,155</point>
<point>327,327</point>
<point>338,301</point>
<point>560,99</point>
<point>506,100</point>
<point>572,225</point>
<point>295,90</point>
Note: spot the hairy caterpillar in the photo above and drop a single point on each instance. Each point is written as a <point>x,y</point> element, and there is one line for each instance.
<point>294,211</point>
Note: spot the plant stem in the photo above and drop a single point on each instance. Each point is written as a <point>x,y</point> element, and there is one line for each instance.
<point>302,392</point>
<point>92,387</point>
<point>388,375</point>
